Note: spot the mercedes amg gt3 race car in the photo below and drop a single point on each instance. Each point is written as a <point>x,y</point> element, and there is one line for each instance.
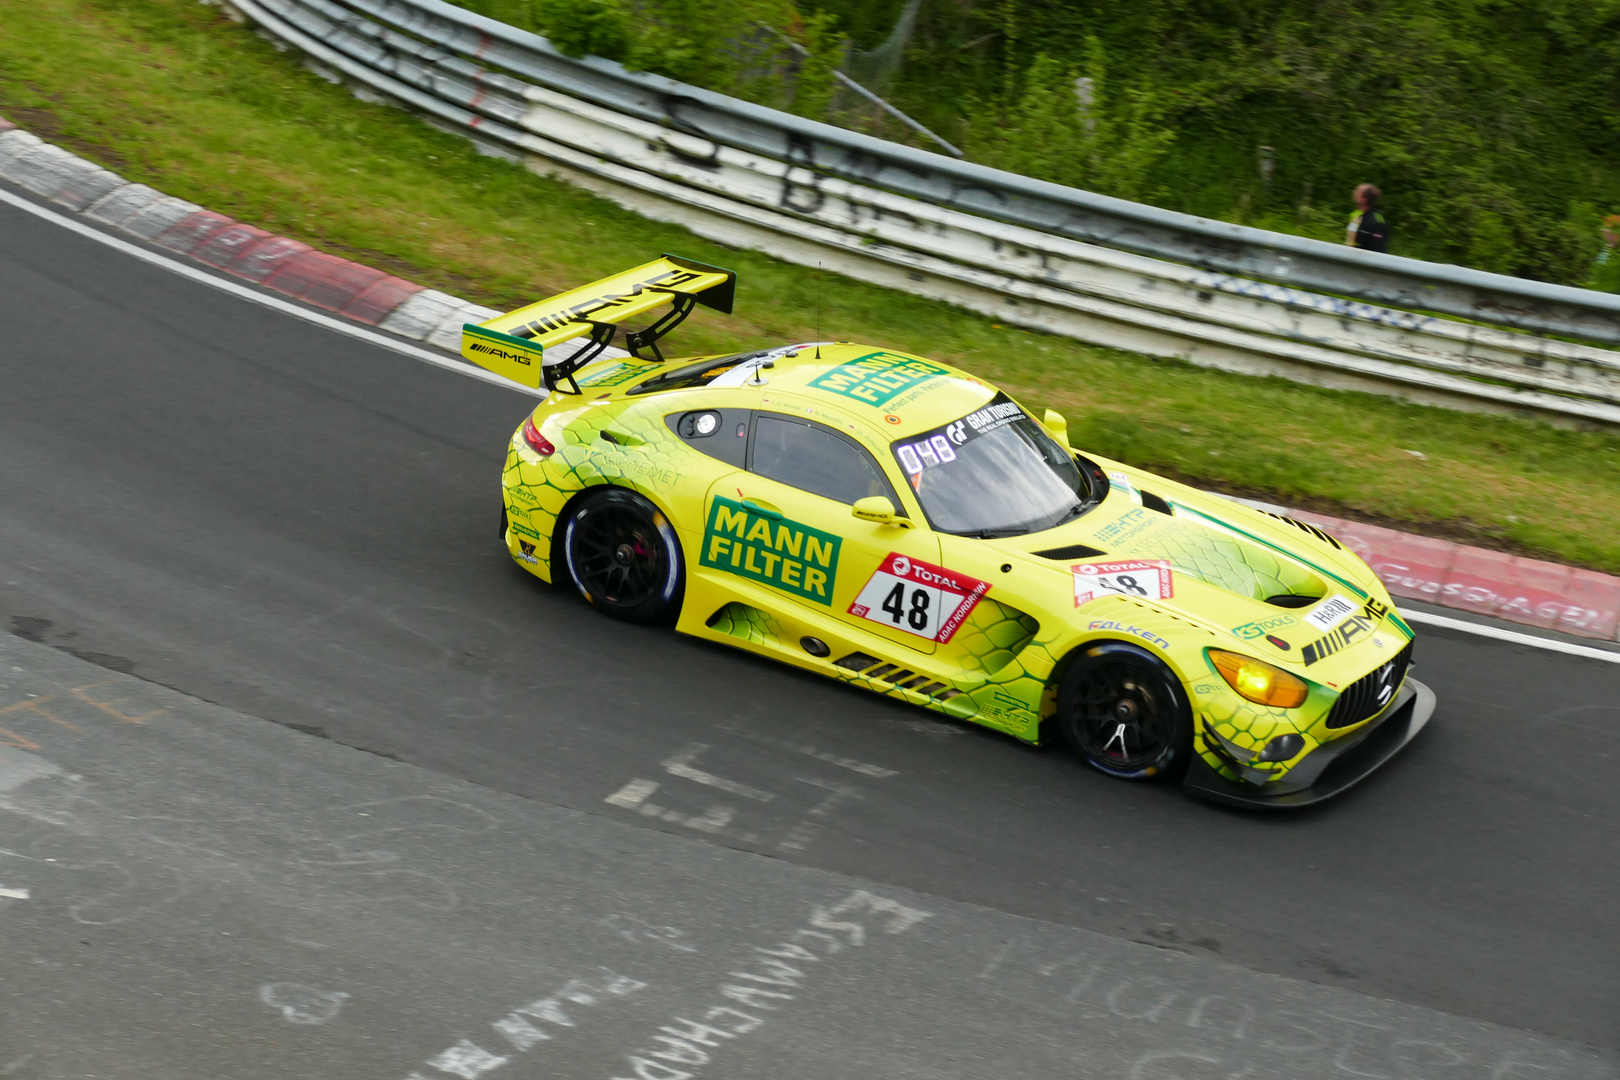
<point>900,525</point>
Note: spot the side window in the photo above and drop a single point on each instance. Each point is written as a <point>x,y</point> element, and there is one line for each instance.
<point>813,459</point>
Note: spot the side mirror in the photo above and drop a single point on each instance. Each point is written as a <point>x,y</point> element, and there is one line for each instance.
<point>879,510</point>
<point>1059,428</point>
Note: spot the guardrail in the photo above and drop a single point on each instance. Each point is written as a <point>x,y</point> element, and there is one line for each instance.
<point>1031,253</point>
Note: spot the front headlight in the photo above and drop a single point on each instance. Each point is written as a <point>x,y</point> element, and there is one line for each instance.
<point>1259,681</point>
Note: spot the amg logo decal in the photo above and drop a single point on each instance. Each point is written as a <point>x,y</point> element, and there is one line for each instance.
<point>499,354</point>
<point>878,378</point>
<point>667,280</point>
<point>783,554</point>
<point>1337,638</point>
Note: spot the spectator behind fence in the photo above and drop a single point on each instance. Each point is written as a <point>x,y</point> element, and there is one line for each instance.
<point>1367,229</point>
<point>1606,267</point>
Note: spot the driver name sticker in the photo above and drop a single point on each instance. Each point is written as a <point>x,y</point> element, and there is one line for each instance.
<point>1330,612</point>
<point>1141,579</point>
<point>918,597</point>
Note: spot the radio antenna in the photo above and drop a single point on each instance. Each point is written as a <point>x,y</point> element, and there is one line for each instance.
<point>818,309</point>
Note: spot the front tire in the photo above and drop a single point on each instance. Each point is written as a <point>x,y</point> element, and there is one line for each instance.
<point>1125,712</point>
<point>623,556</point>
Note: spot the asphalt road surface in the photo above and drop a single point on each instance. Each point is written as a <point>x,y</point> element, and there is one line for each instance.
<point>299,527</point>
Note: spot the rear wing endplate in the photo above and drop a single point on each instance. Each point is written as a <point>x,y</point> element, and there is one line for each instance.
<point>514,345</point>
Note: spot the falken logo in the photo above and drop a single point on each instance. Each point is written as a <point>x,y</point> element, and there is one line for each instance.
<point>1134,631</point>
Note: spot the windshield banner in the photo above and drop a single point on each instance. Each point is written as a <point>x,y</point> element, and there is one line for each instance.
<point>938,447</point>
<point>918,597</point>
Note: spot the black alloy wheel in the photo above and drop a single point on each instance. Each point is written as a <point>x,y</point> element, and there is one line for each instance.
<point>1125,712</point>
<point>624,557</point>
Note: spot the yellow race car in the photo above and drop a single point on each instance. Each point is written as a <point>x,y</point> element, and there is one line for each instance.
<point>895,523</point>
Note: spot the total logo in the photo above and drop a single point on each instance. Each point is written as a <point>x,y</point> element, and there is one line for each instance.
<point>900,566</point>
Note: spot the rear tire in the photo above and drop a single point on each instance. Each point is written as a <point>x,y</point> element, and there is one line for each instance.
<point>623,556</point>
<point>1125,712</point>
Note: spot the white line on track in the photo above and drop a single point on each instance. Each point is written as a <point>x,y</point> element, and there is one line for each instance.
<point>1551,645</point>
<point>286,307</point>
<point>355,330</point>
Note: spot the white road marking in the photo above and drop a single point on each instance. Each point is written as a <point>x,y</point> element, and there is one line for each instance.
<point>632,794</point>
<point>275,303</point>
<point>14,894</point>
<point>681,765</point>
<point>877,772</point>
<point>299,1004</point>
<point>1423,618</point>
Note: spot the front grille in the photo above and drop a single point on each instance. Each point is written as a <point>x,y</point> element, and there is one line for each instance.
<point>1366,695</point>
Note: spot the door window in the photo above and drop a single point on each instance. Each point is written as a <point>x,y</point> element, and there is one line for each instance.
<point>812,458</point>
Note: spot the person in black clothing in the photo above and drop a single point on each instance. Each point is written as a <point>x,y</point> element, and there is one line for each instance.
<point>1367,229</point>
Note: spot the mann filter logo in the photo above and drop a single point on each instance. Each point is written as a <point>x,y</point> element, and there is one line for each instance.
<point>613,375</point>
<point>878,378</point>
<point>783,554</point>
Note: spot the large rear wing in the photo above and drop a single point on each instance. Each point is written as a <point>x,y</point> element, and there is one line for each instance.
<point>514,345</point>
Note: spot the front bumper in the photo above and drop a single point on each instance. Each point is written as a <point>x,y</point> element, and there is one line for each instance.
<point>1330,769</point>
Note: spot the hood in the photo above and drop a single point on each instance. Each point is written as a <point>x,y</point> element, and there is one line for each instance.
<point>1277,588</point>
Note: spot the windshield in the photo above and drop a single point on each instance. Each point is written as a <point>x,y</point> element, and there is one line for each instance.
<point>995,472</point>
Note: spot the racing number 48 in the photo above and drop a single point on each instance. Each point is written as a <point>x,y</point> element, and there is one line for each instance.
<point>895,602</point>
<point>1123,583</point>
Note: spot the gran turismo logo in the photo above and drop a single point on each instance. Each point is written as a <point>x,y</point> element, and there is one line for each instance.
<point>957,433</point>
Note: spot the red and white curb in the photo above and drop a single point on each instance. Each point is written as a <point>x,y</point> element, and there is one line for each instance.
<point>1542,594</point>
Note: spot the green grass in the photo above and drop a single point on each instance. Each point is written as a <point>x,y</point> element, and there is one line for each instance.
<point>172,94</point>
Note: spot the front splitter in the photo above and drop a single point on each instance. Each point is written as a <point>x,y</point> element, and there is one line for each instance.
<point>1347,768</point>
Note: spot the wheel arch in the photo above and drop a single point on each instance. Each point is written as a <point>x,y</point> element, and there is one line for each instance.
<point>1079,648</point>
<point>586,492</point>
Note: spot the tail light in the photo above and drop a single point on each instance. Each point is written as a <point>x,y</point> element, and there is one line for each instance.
<point>537,442</point>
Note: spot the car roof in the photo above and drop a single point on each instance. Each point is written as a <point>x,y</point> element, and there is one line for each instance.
<point>897,393</point>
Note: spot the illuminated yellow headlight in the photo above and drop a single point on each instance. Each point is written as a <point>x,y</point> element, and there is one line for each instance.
<point>1258,681</point>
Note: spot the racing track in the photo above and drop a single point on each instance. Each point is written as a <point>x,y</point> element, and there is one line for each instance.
<point>301,526</point>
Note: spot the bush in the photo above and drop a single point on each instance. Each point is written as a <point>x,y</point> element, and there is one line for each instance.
<point>586,27</point>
